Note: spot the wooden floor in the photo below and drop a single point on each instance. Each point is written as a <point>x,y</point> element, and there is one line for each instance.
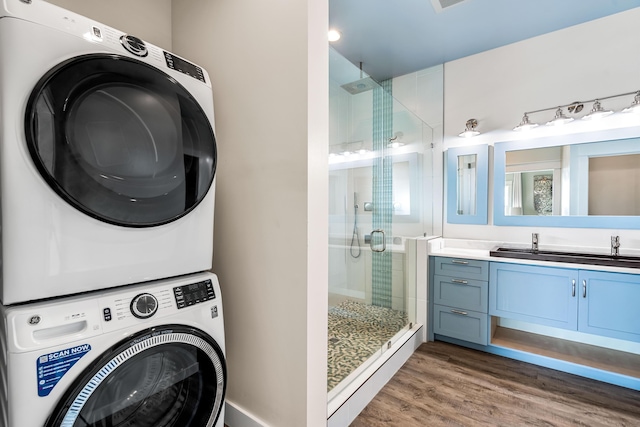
<point>446,385</point>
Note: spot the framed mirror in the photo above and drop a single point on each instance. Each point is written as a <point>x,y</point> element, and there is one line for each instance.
<point>467,181</point>
<point>586,180</point>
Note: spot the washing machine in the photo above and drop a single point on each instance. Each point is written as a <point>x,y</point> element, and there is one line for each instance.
<point>148,355</point>
<point>107,157</point>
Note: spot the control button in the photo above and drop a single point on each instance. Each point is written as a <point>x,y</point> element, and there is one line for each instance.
<point>144,306</point>
<point>107,314</point>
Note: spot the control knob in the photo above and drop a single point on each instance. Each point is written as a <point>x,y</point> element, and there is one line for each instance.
<point>134,45</point>
<point>144,306</point>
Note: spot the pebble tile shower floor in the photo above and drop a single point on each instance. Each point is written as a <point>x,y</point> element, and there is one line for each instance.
<point>356,332</point>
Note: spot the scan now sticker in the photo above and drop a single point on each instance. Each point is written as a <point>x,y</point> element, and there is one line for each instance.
<point>51,367</point>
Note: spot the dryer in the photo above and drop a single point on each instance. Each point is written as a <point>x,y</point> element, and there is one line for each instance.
<point>150,355</point>
<point>107,157</point>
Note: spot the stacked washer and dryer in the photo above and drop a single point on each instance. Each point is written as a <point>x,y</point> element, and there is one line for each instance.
<point>110,317</point>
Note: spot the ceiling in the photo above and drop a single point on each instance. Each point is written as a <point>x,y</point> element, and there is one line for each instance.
<point>396,37</point>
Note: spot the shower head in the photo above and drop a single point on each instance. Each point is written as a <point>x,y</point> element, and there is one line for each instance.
<point>359,86</point>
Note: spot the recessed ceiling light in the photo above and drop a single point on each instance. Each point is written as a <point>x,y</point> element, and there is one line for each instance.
<point>334,35</point>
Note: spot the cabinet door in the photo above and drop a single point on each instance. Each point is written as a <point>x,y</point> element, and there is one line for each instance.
<point>542,295</point>
<point>610,304</point>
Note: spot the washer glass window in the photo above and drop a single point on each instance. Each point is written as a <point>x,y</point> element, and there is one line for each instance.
<point>163,378</point>
<point>120,140</point>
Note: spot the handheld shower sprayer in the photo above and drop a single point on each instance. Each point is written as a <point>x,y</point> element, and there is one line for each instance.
<point>355,250</point>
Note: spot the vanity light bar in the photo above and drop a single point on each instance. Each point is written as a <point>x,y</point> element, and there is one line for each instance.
<point>596,112</point>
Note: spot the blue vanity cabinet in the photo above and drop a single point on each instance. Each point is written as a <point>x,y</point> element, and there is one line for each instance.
<point>536,294</point>
<point>460,299</point>
<point>609,304</point>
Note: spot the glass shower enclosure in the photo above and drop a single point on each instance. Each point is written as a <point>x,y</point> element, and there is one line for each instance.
<point>380,179</point>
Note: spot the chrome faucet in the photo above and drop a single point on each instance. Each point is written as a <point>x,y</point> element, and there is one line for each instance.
<point>534,242</point>
<point>615,245</point>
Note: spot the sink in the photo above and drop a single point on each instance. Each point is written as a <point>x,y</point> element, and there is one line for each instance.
<point>569,257</point>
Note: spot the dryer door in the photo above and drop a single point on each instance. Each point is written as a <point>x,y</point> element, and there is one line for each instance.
<point>120,140</point>
<point>171,376</point>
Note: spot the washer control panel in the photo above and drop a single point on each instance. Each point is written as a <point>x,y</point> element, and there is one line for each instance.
<point>193,293</point>
<point>144,306</point>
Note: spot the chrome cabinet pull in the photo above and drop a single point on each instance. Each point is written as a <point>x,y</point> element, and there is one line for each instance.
<point>384,241</point>
<point>459,261</point>
<point>462,282</point>
<point>462,313</point>
<point>573,288</point>
<point>584,289</point>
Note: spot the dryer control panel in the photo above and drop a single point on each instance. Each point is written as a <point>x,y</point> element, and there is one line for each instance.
<point>185,67</point>
<point>194,293</point>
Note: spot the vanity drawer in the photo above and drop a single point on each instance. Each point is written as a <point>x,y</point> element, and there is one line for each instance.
<point>465,325</point>
<point>461,268</point>
<point>468,294</point>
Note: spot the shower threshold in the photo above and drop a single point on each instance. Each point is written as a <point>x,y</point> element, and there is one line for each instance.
<point>364,383</point>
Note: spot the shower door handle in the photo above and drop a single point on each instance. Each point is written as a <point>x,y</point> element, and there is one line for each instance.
<point>384,242</point>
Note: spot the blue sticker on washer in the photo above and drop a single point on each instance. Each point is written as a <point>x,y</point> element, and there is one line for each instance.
<point>52,366</point>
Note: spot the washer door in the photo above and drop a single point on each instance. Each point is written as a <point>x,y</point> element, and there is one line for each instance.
<point>171,376</point>
<point>120,140</point>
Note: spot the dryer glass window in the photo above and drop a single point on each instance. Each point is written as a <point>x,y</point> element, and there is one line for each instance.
<point>120,140</point>
<point>177,383</point>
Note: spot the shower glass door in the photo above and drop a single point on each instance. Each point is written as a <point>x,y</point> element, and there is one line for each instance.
<point>379,200</point>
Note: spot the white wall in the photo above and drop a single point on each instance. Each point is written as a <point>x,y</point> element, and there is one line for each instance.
<point>149,20</point>
<point>596,59</point>
<point>268,66</point>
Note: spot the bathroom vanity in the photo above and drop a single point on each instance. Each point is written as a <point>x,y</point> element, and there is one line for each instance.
<point>573,309</point>
<point>571,316</point>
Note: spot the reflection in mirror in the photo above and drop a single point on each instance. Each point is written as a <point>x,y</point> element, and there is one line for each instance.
<point>533,181</point>
<point>529,193</point>
<point>357,176</point>
<point>619,172</point>
<point>467,184</point>
<point>574,180</point>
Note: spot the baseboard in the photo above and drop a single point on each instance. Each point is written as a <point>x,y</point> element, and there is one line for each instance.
<point>359,395</point>
<point>237,416</point>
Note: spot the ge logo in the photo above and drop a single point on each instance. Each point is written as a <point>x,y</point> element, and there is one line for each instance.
<point>34,320</point>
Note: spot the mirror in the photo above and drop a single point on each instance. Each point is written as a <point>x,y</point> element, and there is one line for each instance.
<point>467,185</point>
<point>589,180</point>
<point>467,176</point>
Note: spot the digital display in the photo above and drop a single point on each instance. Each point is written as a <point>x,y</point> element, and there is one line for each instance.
<point>183,66</point>
<point>194,293</point>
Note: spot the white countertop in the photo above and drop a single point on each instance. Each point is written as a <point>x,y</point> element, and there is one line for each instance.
<point>479,249</point>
